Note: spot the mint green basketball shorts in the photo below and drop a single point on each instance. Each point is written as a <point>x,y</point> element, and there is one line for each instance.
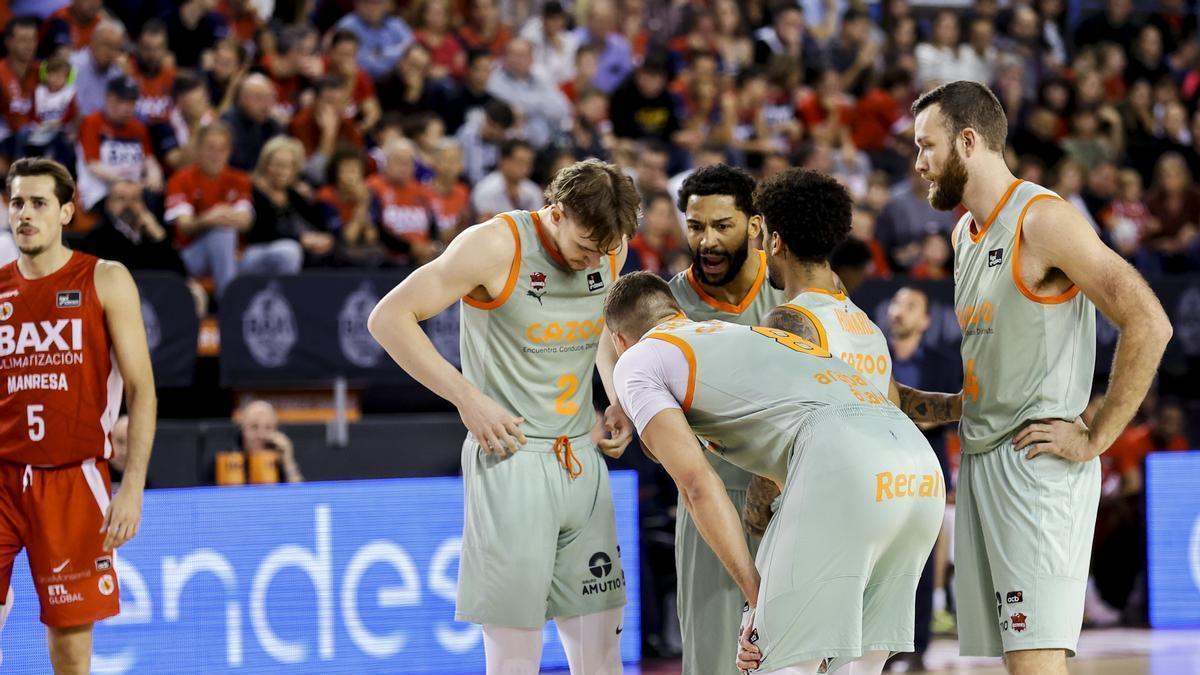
<point>1022,545</point>
<point>537,543</point>
<point>861,509</point>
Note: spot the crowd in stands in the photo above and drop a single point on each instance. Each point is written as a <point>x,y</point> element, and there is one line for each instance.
<point>221,137</point>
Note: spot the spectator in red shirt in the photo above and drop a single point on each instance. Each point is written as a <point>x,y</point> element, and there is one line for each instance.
<point>114,145</point>
<point>18,78</point>
<point>658,236</point>
<point>324,126</point>
<point>484,28</point>
<point>209,204</point>
<point>342,61</point>
<point>430,21</point>
<point>409,226</point>
<point>880,123</point>
<point>71,27</point>
<point>450,196</point>
<point>826,111</point>
<point>242,18</point>
<point>156,79</point>
<point>293,69</point>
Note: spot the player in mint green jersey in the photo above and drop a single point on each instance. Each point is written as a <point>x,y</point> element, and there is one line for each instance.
<point>727,281</point>
<point>863,494</point>
<point>1029,274</point>
<point>539,513</point>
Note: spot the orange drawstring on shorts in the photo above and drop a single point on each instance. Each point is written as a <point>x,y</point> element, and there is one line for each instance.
<point>566,457</point>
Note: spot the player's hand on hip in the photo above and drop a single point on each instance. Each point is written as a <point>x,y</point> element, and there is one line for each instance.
<point>497,430</point>
<point>123,518</point>
<point>749,655</point>
<point>620,432</point>
<point>1069,440</point>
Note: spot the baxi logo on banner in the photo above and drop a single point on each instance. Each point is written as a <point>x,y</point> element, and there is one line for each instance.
<point>1173,535</point>
<point>351,577</point>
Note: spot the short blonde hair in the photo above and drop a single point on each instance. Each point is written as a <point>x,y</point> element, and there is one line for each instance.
<point>275,145</point>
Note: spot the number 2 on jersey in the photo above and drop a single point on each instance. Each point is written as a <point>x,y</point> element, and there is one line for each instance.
<point>563,405</point>
<point>37,425</point>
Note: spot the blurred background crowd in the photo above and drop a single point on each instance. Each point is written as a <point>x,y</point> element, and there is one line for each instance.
<point>214,138</point>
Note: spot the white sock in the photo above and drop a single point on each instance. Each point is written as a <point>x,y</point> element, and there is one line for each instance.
<point>870,663</point>
<point>939,599</point>
<point>593,642</point>
<point>512,651</point>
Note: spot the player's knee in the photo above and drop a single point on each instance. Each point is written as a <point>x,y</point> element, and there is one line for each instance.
<point>71,649</point>
<point>1036,662</point>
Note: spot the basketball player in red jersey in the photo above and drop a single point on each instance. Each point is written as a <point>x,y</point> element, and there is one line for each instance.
<point>71,336</point>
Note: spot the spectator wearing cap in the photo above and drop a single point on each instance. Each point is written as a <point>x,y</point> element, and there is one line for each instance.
<point>96,65</point>
<point>431,23</point>
<point>553,45</point>
<point>614,55</point>
<point>209,203</point>
<point>508,188</point>
<point>156,80</point>
<point>481,136</point>
<point>193,28</point>
<point>18,75</point>
<point>114,145</point>
<point>251,121</point>
<point>383,37</point>
<point>485,28</point>
<point>544,110</point>
<point>642,107</point>
<point>342,61</point>
<point>71,26</point>
<point>324,125</point>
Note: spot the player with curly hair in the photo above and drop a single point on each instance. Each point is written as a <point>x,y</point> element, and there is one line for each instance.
<point>806,215</point>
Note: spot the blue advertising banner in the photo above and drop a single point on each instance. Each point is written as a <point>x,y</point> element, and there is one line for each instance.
<point>1173,537</point>
<point>348,577</point>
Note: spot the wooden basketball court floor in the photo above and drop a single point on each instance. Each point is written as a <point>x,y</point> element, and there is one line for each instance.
<point>1119,651</point>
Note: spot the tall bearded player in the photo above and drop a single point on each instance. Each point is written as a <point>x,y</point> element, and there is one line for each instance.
<point>71,337</point>
<point>1029,275</point>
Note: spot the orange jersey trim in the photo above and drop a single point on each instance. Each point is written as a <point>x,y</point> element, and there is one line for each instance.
<point>725,306</point>
<point>1016,264</point>
<point>976,237</point>
<point>834,294</point>
<point>551,249</point>
<point>512,271</point>
<point>612,260</point>
<point>690,355</point>
<point>821,336</point>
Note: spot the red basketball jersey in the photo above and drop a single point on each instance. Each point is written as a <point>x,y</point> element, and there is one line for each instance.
<point>62,388</point>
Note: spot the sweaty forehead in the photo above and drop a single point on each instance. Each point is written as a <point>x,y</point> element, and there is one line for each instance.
<point>705,208</point>
<point>29,187</point>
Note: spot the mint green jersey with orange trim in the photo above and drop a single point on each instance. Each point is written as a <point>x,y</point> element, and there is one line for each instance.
<point>1025,357</point>
<point>532,349</point>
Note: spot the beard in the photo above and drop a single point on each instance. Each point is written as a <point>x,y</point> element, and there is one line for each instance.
<point>946,190</point>
<point>32,251</point>
<point>774,275</point>
<point>735,261</point>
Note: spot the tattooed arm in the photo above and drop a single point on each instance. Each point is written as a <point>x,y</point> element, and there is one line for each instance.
<point>756,512</point>
<point>926,407</point>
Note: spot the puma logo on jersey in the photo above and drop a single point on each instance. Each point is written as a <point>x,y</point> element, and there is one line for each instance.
<point>42,336</point>
<point>537,287</point>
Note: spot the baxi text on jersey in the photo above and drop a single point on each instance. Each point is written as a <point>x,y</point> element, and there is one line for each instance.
<point>51,381</point>
<point>63,335</point>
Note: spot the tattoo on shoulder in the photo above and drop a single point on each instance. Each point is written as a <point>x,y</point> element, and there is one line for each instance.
<point>794,322</point>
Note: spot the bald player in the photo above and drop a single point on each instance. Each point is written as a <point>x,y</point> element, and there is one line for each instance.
<point>727,281</point>
<point>1029,274</point>
<point>806,215</point>
<point>862,491</point>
